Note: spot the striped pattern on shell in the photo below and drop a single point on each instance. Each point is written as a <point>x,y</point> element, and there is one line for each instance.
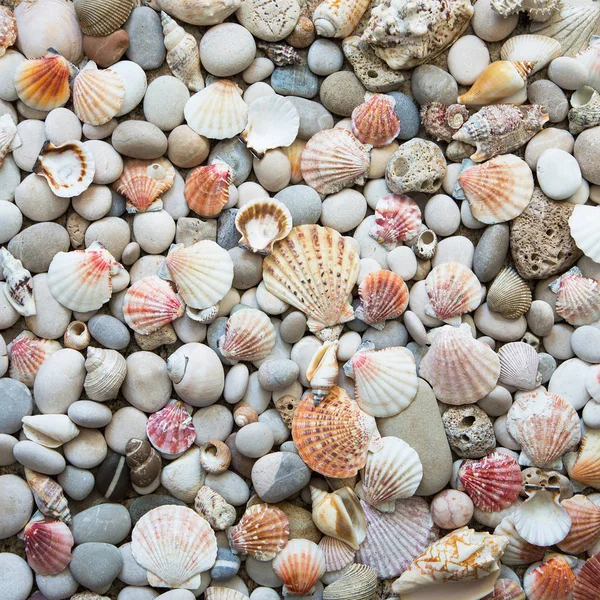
<point>577,298</point>
<point>207,188</point>
<point>553,579</point>
<point>171,430</point>
<point>249,335</point>
<point>26,354</point>
<point>384,296</point>
<point>585,525</point>
<point>586,467</point>
<point>518,551</point>
<point>8,29</point>
<point>102,17</point>
<point>587,581</point>
<point>300,565</point>
<point>48,546</point>
<point>375,121</point>
<point>397,219</point>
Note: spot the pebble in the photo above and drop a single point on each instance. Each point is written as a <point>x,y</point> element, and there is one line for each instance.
<point>585,342</point>
<point>467,59</point>
<point>17,505</point>
<point>277,374</point>
<point>257,90</point>
<point>139,593</point>
<point>164,102</point>
<point>559,139</point>
<point>154,231</point>
<point>147,385</point>
<point>568,73</point>
<point>36,245</point>
<point>548,94</point>
<point>7,443</point>
<point>186,148</point>
<point>442,215</point>
<point>344,211</point>
<point>260,68</point>
<point>106,50</point>
<point>254,440</point>
<point>109,164</point>
<point>87,450</point>
<point>295,80</point>
<point>139,139</point>
<point>408,113</point>
<point>585,149</point>
<point>454,249</point>
<point>10,177</point>
<point>230,485</point>
<point>99,132</point>
<point>107,523</point>
<point>268,302</point>
<point>96,565</point>
<point>127,422</point>
<point>131,573</point>
<point>558,342</point>
<point>591,414</point>
<point>55,587</point>
<point>293,327</point>
<point>89,414</point>
<point>135,81</point>
<point>16,578</point>
<point>491,26</point>
<point>236,155</point>
<point>262,572</point>
<point>432,84</point>
<point>272,419</point>
<point>314,117</point>
<point>8,66</point>
<point>94,203</point>
<point>52,318</point>
<point>498,327</point>
<point>402,261</point>
<point>264,593</point>
<point>469,430</point>
<point>109,332</point>
<point>491,251</point>
<point>247,268</point>
<point>269,20</point>
<point>227,49</point>
<point>558,174</point>
<point>143,504</point>
<point>497,402</point>
<point>77,483</point>
<point>61,126</point>
<point>32,136</point>
<point>341,93</point>
<point>303,202</point>
<point>212,423</point>
<point>146,47</point>
<point>184,476</point>
<point>568,381</point>
<point>325,57</point>
<point>451,509</point>
<point>540,318</point>
<point>38,458</point>
<point>368,247</point>
<point>278,475</point>
<point>392,334</point>
<point>15,403</point>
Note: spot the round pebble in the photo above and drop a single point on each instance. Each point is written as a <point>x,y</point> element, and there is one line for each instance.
<point>96,565</point>
<point>87,450</point>
<point>341,93</point>
<point>15,403</point>
<point>139,139</point>
<point>442,215</point>
<point>567,73</point>
<point>17,504</point>
<point>490,26</point>
<point>451,509</point>
<point>586,146</point>
<point>549,95</point>
<point>62,126</point>
<point>558,174</point>
<point>227,49</point>
<point>186,148</point>
<point>135,82</point>
<point>164,102</point>
<point>344,211</point>
<point>94,203</point>
<point>254,440</point>
<point>325,57</point>
<point>16,578</point>
<point>467,59</point>
<point>154,231</point>
<point>432,84</point>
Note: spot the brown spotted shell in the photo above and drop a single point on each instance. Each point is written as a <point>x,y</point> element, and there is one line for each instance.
<point>8,29</point>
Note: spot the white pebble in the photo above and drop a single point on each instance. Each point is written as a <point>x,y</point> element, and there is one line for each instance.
<point>403,262</point>
<point>467,59</point>
<point>558,174</point>
<point>442,215</point>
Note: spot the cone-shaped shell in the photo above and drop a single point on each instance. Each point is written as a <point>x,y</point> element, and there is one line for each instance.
<point>262,222</point>
<point>26,354</point>
<point>249,335</point>
<point>397,219</point>
<point>314,269</point>
<point>106,370</point>
<point>47,546</point>
<point>102,17</point>
<point>359,582</point>
<point>323,369</point>
<point>586,468</point>
<point>207,188</point>
<point>175,545</point>
<point>509,294</point>
<point>294,154</point>
<point>384,296</point>
<point>519,364</point>
<point>338,554</point>
<point>98,94</point>
<point>8,29</point>
<point>518,551</point>
<point>338,19</point>
<point>585,524</point>
<point>262,532</point>
<point>51,431</point>
<point>9,136</point>
<point>552,579</point>
<point>334,159</point>
<point>498,190</point>
<point>577,298</point>
<point>150,303</point>
<point>375,121</point>
<point>218,111</point>
<point>540,49</point>
<point>461,369</point>
<point>18,286</point>
<point>587,581</point>
<point>48,496</point>
<point>300,565</point>
<point>171,430</point>
<point>584,224</point>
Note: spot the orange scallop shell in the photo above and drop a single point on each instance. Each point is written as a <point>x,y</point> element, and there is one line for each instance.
<point>300,565</point>
<point>8,29</point>
<point>585,524</point>
<point>397,218</point>
<point>384,295</point>
<point>48,546</point>
<point>586,468</point>
<point>294,154</point>
<point>553,579</point>
<point>207,189</point>
<point>170,430</point>
<point>375,121</point>
<point>249,335</point>
<point>587,581</point>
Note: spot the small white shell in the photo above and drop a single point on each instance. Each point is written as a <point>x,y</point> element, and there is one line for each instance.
<point>9,138</point>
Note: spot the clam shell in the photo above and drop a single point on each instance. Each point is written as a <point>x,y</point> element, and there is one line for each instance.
<point>507,589</point>
<point>509,294</point>
<point>51,431</point>
<point>518,551</point>
<point>214,508</point>
<point>384,296</point>
<point>8,29</point>
<point>552,579</point>
<point>577,298</point>
<point>106,370</point>
<point>18,287</point>
<point>338,554</point>
<point>207,188</point>
<point>294,154</point>
<point>49,496</point>
<point>26,354</point>
<point>590,58</point>
<point>375,121</point>
<point>359,582</point>
<point>300,565</point>
<point>47,546</point>
<point>519,364</point>
<point>584,224</point>
<point>262,223</point>
<point>101,17</point>
<point>338,19</point>
<point>397,219</point>
<point>323,370</point>
<point>587,581</point>
<point>143,461</point>
<point>175,545</point>
<point>170,430</point>
<point>540,49</point>
<point>586,468</point>
<point>9,137</point>
<point>249,335</point>
<point>585,525</point>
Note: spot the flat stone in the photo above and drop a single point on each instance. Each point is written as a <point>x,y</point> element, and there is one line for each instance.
<point>341,93</point>
<point>109,332</point>
<point>303,202</point>
<point>278,475</point>
<point>432,84</point>
<point>16,578</point>
<point>498,327</point>
<point>106,50</point>
<point>191,230</point>
<point>53,587</point>
<point>491,251</point>
<point>585,342</point>
<point>586,151</point>
<point>548,94</point>
<point>39,458</point>
<point>37,245</point>
<point>146,47</point>
<point>107,523</point>
<point>16,502</point>
<point>139,139</point>
<point>295,80</point>
<point>76,483</point>
<point>314,117</point>
<point>408,113</point>
<point>96,565</point>
<point>143,504</point>
<point>229,485</point>
<point>568,381</point>
<point>227,49</point>
<point>52,318</point>
<point>15,403</point>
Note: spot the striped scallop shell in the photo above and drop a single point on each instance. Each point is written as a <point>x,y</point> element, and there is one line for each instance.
<point>460,368</point>
<point>26,354</point>
<point>262,222</point>
<point>509,294</point>
<point>584,224</point>
<point>223,593</point>
<point>150,303</point>
<point>102,17</point>
<point>98,94</point>
<point>207,188</point>
<point>175,545</point>
<point>143,182</point>
<point>506,589</point>
<point>586,467</point>
<point>249,335</point>
<point>519,364</point>
<point>294,154</point>
<point>585,524</point>
<point>9,136</point>
<point>262,532</point>
<point>47,545</point>
<point>498,190</point>
<point>397,219</point>
<point>170,430</point>
<point>375,121</point>
<point>540,49</point>
<point>587,580</point>
<point>384,296</point>
<point>8,29</point>
<point>334,159</point>
<point>338,554</point>
<point>552,579</point>
<point>334,437</point>
<point>518,551</point>
<point>300,565</point>
<point>577,298</point>
<point>453,290</point>
<point>359,582</point>
<point>48,495</point>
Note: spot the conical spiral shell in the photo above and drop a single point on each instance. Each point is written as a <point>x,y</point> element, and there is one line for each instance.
<point>338,19</point>
<point>397,219</point>
<point>98,94</point>
<point>102,17</point>
<point>48,495</point>
<point>207,188</point>
<point>586,467</point>
<point>106,370</point>
<point>577,298</point>
<point>359,582</point>
<point>171,430</point>
<point>300,565</point>
<point>552,579</point>
<point>143,461</point>
<point>509,294</point>
<point>585,524</point>
<point>26,354</point>
<point>587,581</point>
<point>249,335</point>
<point>519,364</point>
<point>47,546</point>
<point>262,223</point>
<point>18,287</point>
<point>8,29</point>
<point>384,296</point>
<point>518,551</point>
<point>323,369</point>
<point>375,121</point>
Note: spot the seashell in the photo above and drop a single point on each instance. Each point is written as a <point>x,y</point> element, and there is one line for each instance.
<point>175,545</point>
<point>426,244</point>
<point>203,315</point>
<point>289,273</point>
<point>441,122</point>
<point>519,364</point>
<point>385,380</point>
<point>585,524</point>
<point>262,222</point>
<point>461,369</point>
<point>77,336</point>
<point>143,461</point>
<point>249,335</point>
<point>501,128</point>
<point>300,565</point>
<point>26,354</point>
<point>294,154</point>
<point>338,19</point>
<point>499,81</point>
<point>545,426</point>
<point>542,50</point>
<point>69,168</point>
<point>273,121</point>
<point>506,589</point>
<point>518,551</point>
<point>537,10</point>
<point>150,303</point>
<point>262,532</point>
<point>222,593</point>
<point>552,579</point>
<point>49,496</point>
<point>583,224</point>
<point>590,58</point>
<point>47,545</point>
<point>8,29</point>
<point>492,482</point>
<point>280,54</point>
<point>244,414</point>
<point>359,581</point>
<point>453,291</point>
<point>498,190</point>
<point>218,111</point>
<point>462,555</point>
<point>43,83</point>
<point>170,430</point>
<point>18,287</point>
<point>397,219</point>
<point>183,56</point>
<point>587,580</point>
<point>384,296</point>
<point>215,456</point>
<point>577,297</point>
<point>334,159</point>
<point>338,554</point>
<point>586,467</point>
<point>51,431</point>
<point>586,110</point>
<point>323,370</point>
<point>82,280</point>
<point>98,94</point>
<point>214,508</point>
<point>106,370</point>
<point>393,473</point>
<point>198,12</point>
<point>101,18</point>
<point>375,122</point>
<point>207,188</point>
<point>9,136</point>
<point>509,294</point>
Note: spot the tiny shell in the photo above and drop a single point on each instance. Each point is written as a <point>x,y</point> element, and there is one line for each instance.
<point>18,287</point>
<point>51,431</point>
<point>102,17</point>
<point>586,467</point>
<point>577,298</point>
<point>375,122</point>
<point>584,224</point>
<point>262,222</point>
<point>106,370</point>
<point>359,582</point>
<point>244,414</point>
<point>26,354</point>
<point>518,551</point>
<point>8,29</point>
<point>426,244</point>
<point>397,219</point>
<point>215,456</point>
<point>300,565</point>
<point>77,336</point>
<point>171,430</point>
<point>338,19</point>
<point>281,54</point>
<point>441,122</point>
<point>49,496</point>
<point>519,364</point>
<point>207,188</point>
<point>539,48</point>
<point>338,555</point>
<point>585,524</point>
<point>249,335</point>
<point>143,461</point>
<point>509,294</point>
<point>587,580</point>
<point>47,545</point>
<point>552,579</point>
<point>384,296</point>
<point>9,136</point>
<point>214,508</point>
<point>586,110</point>
<point>323,369</point>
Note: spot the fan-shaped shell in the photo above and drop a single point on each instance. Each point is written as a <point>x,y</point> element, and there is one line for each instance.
<point>461,369</point>
<point>207,188</point>
<point>314,269</point>
<point>222,593</point>
<point>249,335</point>
<point>26,354</point>
<point>294,154</point>
<point>587,581</point>
<point>218,111</point>
<point>552,579</point>
<point>300,565</point>
<point>507,589</point>
<point>262,532</point>
<point>47,546</point>
<point>175,545</point>
<point>51,431</point>
<point>577,298</point>
<point>8,29</point>
<point>540,49</point>
<point>498,190</point>
<point>584,224</point>
<point>397,219</point>
<point>585,524</point>
<point>586,467</point>
<point>171,430</point>
<point>9,136</point>
<point>106,370</point>
<point>384,296</point>
<point>518,551</point>
<point>338,555</point>
<point>262,222</point>
<point>102,17</point>
<point>519,364</point>
<point>359,582</point>
<point>18,286</point>
<point>509,294</point>
<point>334,159</point>
<point>375,121</point>
<point>48,496</point>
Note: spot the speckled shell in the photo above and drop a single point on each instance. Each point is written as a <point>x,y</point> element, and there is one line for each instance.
<point>590,58</point>
<point>509,294</point>
<point>51,431</point>
<point>518,551</point>
<point>375,122</point>
<point>461,369</point>
<point>441,122</point>
<point>300,565</point>
<point>262,532</point>
<point>289,273</point>
<point>577,298</point>
<point>198,12</point>
<point>171,430</point>
<point>294,154</point>
<point>334,159</point>
<point>585,525</point>
<point>338,554</point>
<point>262,222</point>
<point>519,364</point>
<point>98,94</point>
<point>9,137</point>
<point>384,296</point>
<point>143,461</point>
<point>586,467</point>
<point>506,589</point>
<point>358,582</point>
<point>587,580</point>
<point>584,224</point>
<point>552,579</point>
<point>540,49</point>
<point>47,545</point>
<point>26,354</point>
<point>214,508</point>
<point>18,287</point>
<point>249,335</point>
<point>586,110</point>
<point>323,369</point>
<point>48,496</point>
<point>207,188</point>
<point>333,438</point>
<point>175,545</point>
<point>537,10</point>
<point>8,29</point>
<point>338,19</point>
<point>397,219</point>
<point>498,190</point>
<point>280,54</point>
<point>102,17</point>
<point>106,370</point>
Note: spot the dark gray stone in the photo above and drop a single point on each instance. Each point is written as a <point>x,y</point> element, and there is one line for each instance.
<point>227,234</point>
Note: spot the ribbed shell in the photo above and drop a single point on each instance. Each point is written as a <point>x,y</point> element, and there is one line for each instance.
<point>222,593</point>
<point>171,430</point>
<point>106,370</point>
<point>540,49</point>
<point>338,18</point>
<point>587,581</point>
<point>498,190</point>
<point>294,154</point>
<point>586,468</point>
<point>374,121</point>
<point>585,525</point>
<point>518,551</point>
<point>207,188</point>
<point>359,582</point>
<point>26,354</point>
<point>8,29</point>
<point>553,579</point>
<point>334,159</point>
<point>584,224</point>
<point>314,269</point>
<point>300,565</point>
<point>102,17</point>
<point>98,94</point>
<point>397,219</point>
<point>9,136</point>
<point>144,462</point>
<point>384,296</point>
<point>507,589</point>
<point>47,546</point>
<point>262,222</point>
<point>49,496</point>
<point>249,335</point>
<point>519,364</point>
<point>338,554</point>
<point>150,303</point>
<point>577,298</point>
<point>509,294</point>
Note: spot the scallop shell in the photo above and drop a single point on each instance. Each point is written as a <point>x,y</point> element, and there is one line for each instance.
<point>333,438</point>
<point>262,532</point>
<point>143,182</point>
<point>338,554</point>
<point>334,159</point>
<point>586,467</point>
<point>82,280</point>
<point>577,298</point>
<point>26,354</point>
<point>222,593</point>
<point>262,222</point>
<point>150,303</point>
<point>69,168</point>
<point>273,121</point>
<point>509,294</point>
<point>358,582</point>
<point>300,565</point>
<point>552,579</point>
<point>584,224</point>
<point>8,29</point>
<point>218,111</point>
<point>540,49</point>
<point>384,296</point>
<point>214,508</point>
<point>249,335</point>
<point>585,525</point>
<point>453,290</point>
<point>290,273</point>
<point>519,364</point>
<point>590,58</point>
<point>171,430</point>
<point>506,589</point>
<point>98,94</point>
<point>144,462</point>
<point>498,190</point>
<point>294,154</point>
<point>518,551</point>
<point>49,496</point>
<point>47,545</point>
<point>323,370</point>
<point>333,18</point>
<point>101,18</point>
<point>18,287</point>
<point>106,370</point>
<point>385,380</point>
<point>492,482</point>
<point>397,219</point>
<point>207,188</point>
<point>9,136</point>
<point>375,121</point>
<point>51,431</point>
<point>545,426</point>
<point>587,580</point>
<point>175,545</point>
<point>461,369</point>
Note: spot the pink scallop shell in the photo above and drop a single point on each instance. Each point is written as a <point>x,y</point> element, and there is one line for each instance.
<point>26,354</point>
<point>375,122</point>
<point>587,581</point>
<point>300,565</point>
<point>48,546</point>
<point>338,554</point>
<point>553,579</point>
<point>397,219</point>
<point>171,430</point>
<point>577,298</point>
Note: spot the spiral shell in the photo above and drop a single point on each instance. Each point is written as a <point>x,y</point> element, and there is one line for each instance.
<point>215,456</point>
<point>143,461</point>
<point>375,121</point>
<point>384,296</point>
<point>47,546</point>
<point>26,354</point>
<point>262,223</point>
<point>102,17</point>
<point>18,287</point>
<point>441,122</point>
<point>49,496</point>
<point>106,370</point>
<point>214,508</point>
<point>207,188</point>
<point>322,371</point>
<point>77,336</point>
<point>171,430</point>
<point>577,298</point>
<point>8,29</point>
<point>244,414</point>
<point>51,431</point>
<point>509,294</point>
<point>397,219</point>
<point>300,565</point>
<point>338,19</point>
<point>294,154</point>
<point>249,335</point>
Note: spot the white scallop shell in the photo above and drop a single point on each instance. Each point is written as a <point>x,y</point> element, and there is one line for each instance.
<point>51,431</point>
<point>9,138</point>
<point>519,364</point>
<point>538,48</point>
<point>584,224</point>
<point>518,551</point>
